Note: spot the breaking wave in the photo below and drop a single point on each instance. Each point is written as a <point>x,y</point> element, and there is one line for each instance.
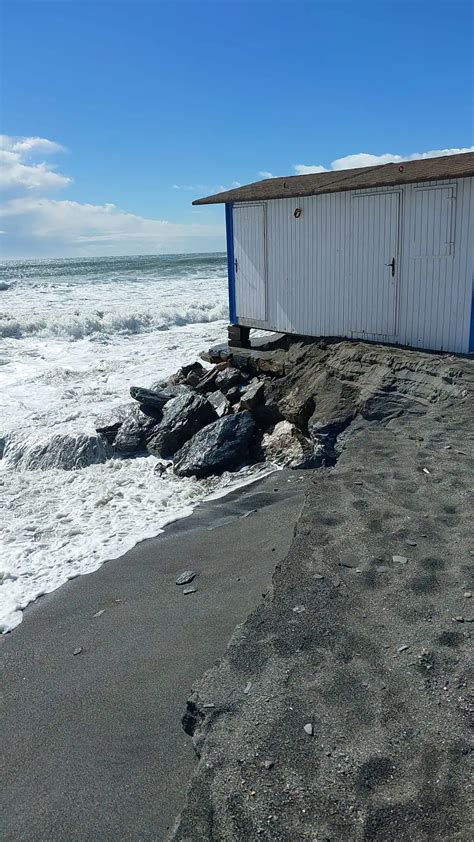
<point>79,325</point>
<point>65,451</point>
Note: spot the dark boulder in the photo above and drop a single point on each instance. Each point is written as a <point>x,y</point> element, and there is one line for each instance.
<point>109,423</point>
<point>188,374</point>
<point>220,403</point>
<point>229,377</point>
<point>149,399</point>
<point>253,394</point>
<point>135,431</point>
<point>183,416</point>
<point>221,446</point>
<point>233,395</point>
<point>207,383</point>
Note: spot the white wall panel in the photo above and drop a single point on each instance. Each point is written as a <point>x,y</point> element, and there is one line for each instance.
<point>313,289</point>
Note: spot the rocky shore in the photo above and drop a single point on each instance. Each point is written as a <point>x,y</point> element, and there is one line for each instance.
<point>289,402</point>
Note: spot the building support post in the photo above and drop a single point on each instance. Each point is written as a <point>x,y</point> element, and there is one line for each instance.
<point>238,336</point>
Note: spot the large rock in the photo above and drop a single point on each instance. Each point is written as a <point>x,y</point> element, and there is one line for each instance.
<point>208,382</point>
<point>149,399</point>
<point>188,374</point>
<point>109,423</point>
<point>183,416</point>
<point>229,377</point>
<point>221,446</point>
<point>135,431</point>
<point>253,394</point>
<point>286,446</point>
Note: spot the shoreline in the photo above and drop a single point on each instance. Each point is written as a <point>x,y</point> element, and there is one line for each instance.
<point>322,647</point>
<point>100,731</point>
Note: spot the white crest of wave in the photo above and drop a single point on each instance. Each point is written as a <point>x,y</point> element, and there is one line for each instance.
<point>78,325</point>
<point>63,450</point>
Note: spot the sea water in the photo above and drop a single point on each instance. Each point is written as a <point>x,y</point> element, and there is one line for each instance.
<point>74,336</point>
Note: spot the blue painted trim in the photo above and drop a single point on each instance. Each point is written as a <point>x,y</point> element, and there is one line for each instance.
<point>229,225</point>
<point>471,332</point>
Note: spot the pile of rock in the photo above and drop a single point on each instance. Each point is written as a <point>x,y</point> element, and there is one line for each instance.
<point>206,421</point>
<point>289,407</point>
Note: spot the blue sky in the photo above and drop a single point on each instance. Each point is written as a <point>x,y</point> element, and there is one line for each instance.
<point>147,105</point>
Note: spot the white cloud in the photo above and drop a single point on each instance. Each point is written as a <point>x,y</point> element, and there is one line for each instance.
<point>83,222</point>
<point>265,174</point>
<point>305,169</point>
<point>36,225</point>
<point>14,174</point>
<point>365,159</point>
<point>64,227</point>
<point>28,145</point>
<point>18,172</point>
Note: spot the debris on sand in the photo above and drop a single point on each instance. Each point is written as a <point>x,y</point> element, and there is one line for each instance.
<point>186,577</point>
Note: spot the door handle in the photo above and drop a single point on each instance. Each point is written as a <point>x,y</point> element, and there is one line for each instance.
<point>236,265</point>
<point>392,264</point>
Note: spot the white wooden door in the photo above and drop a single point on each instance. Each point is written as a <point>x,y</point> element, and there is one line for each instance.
<point>374,263</point>
<point>249,262</point>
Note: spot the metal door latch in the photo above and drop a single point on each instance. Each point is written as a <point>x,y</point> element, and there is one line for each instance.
<point>392,264</point>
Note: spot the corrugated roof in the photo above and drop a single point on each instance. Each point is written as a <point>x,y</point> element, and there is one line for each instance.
<point>384,175</point>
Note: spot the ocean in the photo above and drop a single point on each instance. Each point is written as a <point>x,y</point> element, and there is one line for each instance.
<point>75,334</point>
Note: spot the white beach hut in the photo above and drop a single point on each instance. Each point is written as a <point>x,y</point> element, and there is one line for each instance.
<point>381,253</point>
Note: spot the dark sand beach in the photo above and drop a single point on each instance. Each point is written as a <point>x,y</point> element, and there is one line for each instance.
<point>93,746</point>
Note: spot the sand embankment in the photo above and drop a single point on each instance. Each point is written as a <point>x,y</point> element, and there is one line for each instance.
<point>365,640</point>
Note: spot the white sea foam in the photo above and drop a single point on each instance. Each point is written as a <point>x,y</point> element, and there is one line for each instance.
<point>81,325</point>
<point>88,330</point>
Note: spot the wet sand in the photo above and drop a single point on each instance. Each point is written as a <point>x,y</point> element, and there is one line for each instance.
<point>93,746</point>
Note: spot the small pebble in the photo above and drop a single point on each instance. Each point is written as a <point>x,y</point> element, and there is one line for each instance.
<point>189,590</point>
<point>318,576</point>
<point>247,688</point>
<point>298,609</point>
<point>77,651</point>
<point>268,764</point>
<point>410,542</point>
<point>458,619</point>
<point>358,482</point>
<point>468,594</point>
<point>426,471</point>
<point>399,559</point>
<point>308,729</point>
<point>402,648</point>
<point>186,577</point>
<point>98,613</point>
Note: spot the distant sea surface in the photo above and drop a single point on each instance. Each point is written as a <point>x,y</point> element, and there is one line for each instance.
<point>74,336</point>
